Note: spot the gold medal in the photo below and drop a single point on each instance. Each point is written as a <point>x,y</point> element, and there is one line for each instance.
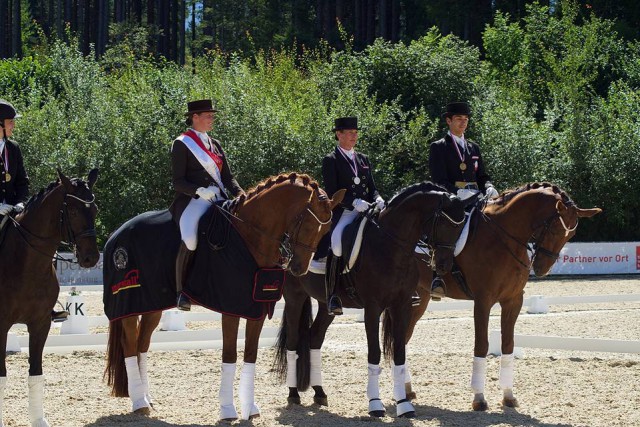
<point>7,177</point>
<point>463,166</point>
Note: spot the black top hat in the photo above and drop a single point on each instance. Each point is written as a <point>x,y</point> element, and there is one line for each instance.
<point>343,123</point>
<point>201,106</point>
<point>457,108</point>
<point>7,111</point>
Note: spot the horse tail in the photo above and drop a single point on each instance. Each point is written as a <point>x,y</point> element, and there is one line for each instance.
<point>387,335</point>
<point>115,372</point>
<point>303,367</point>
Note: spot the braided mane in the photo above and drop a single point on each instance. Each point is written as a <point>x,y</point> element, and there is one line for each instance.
<point>508,195</point>
<point>270,182</point>
<point>412,189</point>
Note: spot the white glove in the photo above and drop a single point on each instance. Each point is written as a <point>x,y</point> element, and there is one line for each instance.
<point>360,205</point>
<point>380,203</point>
<point>18,207</point>
<point>5,208</point>
<point>209,194</point>
<point>491,192</point>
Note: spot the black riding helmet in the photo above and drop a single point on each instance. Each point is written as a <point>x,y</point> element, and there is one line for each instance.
<point>7,111</point>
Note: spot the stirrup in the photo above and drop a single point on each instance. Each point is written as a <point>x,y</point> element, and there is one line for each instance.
<point>183,303</point>
<point>59,316</point>
<point>437,289</point>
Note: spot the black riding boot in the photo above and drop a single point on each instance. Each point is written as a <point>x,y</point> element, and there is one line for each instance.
<point>59,316</point>
<point>334,264</point>
<point>183,262</point>
<point>437,288</point>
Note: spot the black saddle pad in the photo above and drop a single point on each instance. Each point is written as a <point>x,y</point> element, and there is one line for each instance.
<point>139,268</point>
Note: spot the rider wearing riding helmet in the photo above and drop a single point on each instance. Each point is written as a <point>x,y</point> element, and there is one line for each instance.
<point>456,164</point>
<point>14,182</point>
<point>201,176</point>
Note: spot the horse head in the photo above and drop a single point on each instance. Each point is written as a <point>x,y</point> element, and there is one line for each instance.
<point>309,226</point>
<point>79,212</point>
<point>283,219</point>
<point>558,227</point>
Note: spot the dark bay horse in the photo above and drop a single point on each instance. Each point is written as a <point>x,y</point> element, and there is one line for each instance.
<point>384,278</point>
<point>29,288</point>
<point>496,265</point>
<point>287,213</point>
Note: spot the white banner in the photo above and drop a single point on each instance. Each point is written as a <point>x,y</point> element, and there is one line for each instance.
<point>71,274</point>
<point>599,258</point>
<point>575,258</point>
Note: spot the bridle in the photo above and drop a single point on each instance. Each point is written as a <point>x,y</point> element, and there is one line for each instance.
<point>533,243</point>
<point>71,237</point>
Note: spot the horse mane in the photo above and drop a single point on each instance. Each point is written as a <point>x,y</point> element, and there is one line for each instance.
<point>35,200</point>
<point>412,189</point>
<point>267,183</point>
<point>509,195</point>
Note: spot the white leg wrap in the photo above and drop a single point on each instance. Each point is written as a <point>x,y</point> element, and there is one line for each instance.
<point>292,373</point>
<point>135,387</point>
<point>506,371</point>
<point>248,405</point>
<point>36,397</point>
<point>227,376</point>
<point>373,388</point>
<point>3,383</point>
<point>316,367</point>
<point>144,376</point>
<point>398,382</point>
<point>479,374</point>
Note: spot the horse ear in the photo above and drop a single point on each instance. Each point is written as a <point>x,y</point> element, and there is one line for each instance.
<point>93,177</point>
<point>560,207</point>
<point>66,181</point>
<point>588,213</point>
<point>337,197</point>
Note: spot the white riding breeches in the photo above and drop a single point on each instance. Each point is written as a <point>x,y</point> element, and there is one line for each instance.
<point>336,237</point>
<point>189,221</point>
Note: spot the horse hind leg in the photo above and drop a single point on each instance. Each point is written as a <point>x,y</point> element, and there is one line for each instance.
<point>135,387</point>
<point>148,324</point>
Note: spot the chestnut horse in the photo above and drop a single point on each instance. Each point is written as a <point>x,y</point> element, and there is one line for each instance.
<point>28,284</point>
<point>288,213</point>
<point>384,278</point>
<point>496,265</point>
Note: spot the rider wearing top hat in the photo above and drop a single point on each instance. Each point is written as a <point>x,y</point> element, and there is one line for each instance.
<point>456,164</point>
<point>344,168</point>
<point>14,182</point>
<point>201,176</point>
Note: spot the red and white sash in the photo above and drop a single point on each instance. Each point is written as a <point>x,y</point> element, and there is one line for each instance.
<point>209,160</point>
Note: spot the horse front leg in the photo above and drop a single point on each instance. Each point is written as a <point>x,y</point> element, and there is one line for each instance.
<point>248,407</point>
<point>38,332</point>
<point>371,324</point>
<point>3,367</point>
<point>317,334</point>
<point>135,387</point>
<point>481,311</point>
<point>400,315</point>
<point>148,324</point>
<point>424,292</point>
<point>508,317</point>
<point>230,325</point>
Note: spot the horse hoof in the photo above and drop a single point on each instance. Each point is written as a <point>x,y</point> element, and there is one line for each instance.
<point>294,400</point>
<point>377,414</point>
<point>510,403</point>
<point>480,405</point>
<point>254,416</point>
<point>410,414</point>
<point>322,401</point>
<point>143,411</point>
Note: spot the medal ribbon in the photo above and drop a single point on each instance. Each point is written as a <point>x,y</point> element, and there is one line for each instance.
<point>455,143</point>
<point>352,163</point>
<point>5,165</point>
